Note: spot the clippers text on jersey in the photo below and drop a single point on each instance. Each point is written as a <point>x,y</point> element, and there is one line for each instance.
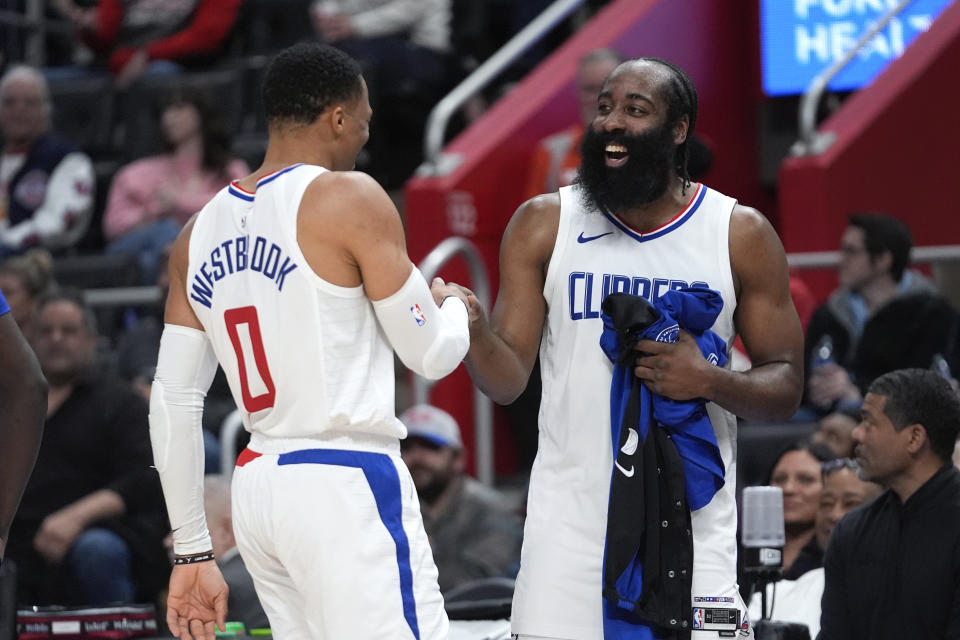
<point>585,300</point>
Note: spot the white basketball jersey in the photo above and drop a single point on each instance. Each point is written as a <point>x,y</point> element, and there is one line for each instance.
<point>304,358</point>
<point>558,591</point>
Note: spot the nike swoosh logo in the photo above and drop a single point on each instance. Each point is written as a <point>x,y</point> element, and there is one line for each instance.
<point>581,238</point>
<point>629,473</point>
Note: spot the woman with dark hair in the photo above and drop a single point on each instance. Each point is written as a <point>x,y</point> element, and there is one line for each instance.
<point>151,199</point>
<point>797,470</point>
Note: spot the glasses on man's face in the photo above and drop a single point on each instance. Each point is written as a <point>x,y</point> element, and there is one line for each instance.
<point>830,466</point>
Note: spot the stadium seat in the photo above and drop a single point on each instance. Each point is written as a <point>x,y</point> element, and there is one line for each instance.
<point>480,599</point>
<point>83,112</point>
<point>758,444</point>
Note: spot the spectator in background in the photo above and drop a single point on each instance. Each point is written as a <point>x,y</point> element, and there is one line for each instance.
<point>799,600</point>
<point>24,280</point>
<point>892,568</point>
<point>243,605</point>
<point>46,183</point>
<point>836,431</point>
<point>557,157</point>
<point>151,199</point>
<point>843,491</point>
<point>883,317</point>
<point>91,522</point>
<point>404,51</point>
<point>797,471</point>
<point>472,530</point>
<point>133,37</point>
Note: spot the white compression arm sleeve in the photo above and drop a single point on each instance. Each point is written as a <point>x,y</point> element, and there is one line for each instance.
<point>430,340</point>
<point>185,369</point>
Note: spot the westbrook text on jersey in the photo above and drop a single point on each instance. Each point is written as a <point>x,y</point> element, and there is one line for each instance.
<point>585,300</point>
<point>235,255</point>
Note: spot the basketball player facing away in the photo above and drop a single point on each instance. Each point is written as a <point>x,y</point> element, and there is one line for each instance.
<point>634,223</point>
<point>296,279</point>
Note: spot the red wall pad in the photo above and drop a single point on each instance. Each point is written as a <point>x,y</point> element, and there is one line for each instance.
<point>894,151</point>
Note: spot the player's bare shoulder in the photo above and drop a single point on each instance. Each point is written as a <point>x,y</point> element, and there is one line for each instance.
<point>180,251</point>
<point>344,204</point>
<point>755,247</point>
<point>746,221</point>
<point>356,193</point>
<point>533,228</point>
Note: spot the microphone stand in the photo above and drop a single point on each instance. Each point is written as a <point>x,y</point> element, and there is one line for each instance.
<point>765,565</point>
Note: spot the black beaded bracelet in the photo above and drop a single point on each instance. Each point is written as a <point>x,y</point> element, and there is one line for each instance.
<point>202,557</point>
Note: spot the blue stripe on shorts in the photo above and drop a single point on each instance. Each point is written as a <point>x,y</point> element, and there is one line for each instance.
<point>381,475</point>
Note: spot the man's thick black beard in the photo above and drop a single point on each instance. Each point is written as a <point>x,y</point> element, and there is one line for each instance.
<point>433,490</point>
<point>644,178</point>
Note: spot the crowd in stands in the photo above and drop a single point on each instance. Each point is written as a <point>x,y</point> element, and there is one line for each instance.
<point>91,524</point>
<point>46,182</point>
<point>151,199</point>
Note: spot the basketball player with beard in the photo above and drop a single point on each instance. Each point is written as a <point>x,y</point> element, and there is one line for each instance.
<point>635,223</point>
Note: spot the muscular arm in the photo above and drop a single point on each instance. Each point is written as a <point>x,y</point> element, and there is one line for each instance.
<point>185,368</point>
<point>178,309</point>
<point>503,350</point>
<point>351,233</point>
<point>23,407</point>
<point>197,595</point>
<point>766,321</point>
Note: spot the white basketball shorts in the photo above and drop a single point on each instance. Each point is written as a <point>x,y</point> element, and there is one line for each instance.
<point>335,544</point>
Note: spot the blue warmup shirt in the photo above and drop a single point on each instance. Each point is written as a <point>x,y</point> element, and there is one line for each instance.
<point>4,307</point>
<point>677,471</point>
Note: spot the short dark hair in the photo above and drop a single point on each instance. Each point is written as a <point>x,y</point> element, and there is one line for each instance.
<point>681,101</point>
<point>75,297</point>
<point>304,80</point>
<point>921,396</point>
<point>885,233</point>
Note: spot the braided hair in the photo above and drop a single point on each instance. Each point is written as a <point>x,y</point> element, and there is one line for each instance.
<point>681,101</point>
